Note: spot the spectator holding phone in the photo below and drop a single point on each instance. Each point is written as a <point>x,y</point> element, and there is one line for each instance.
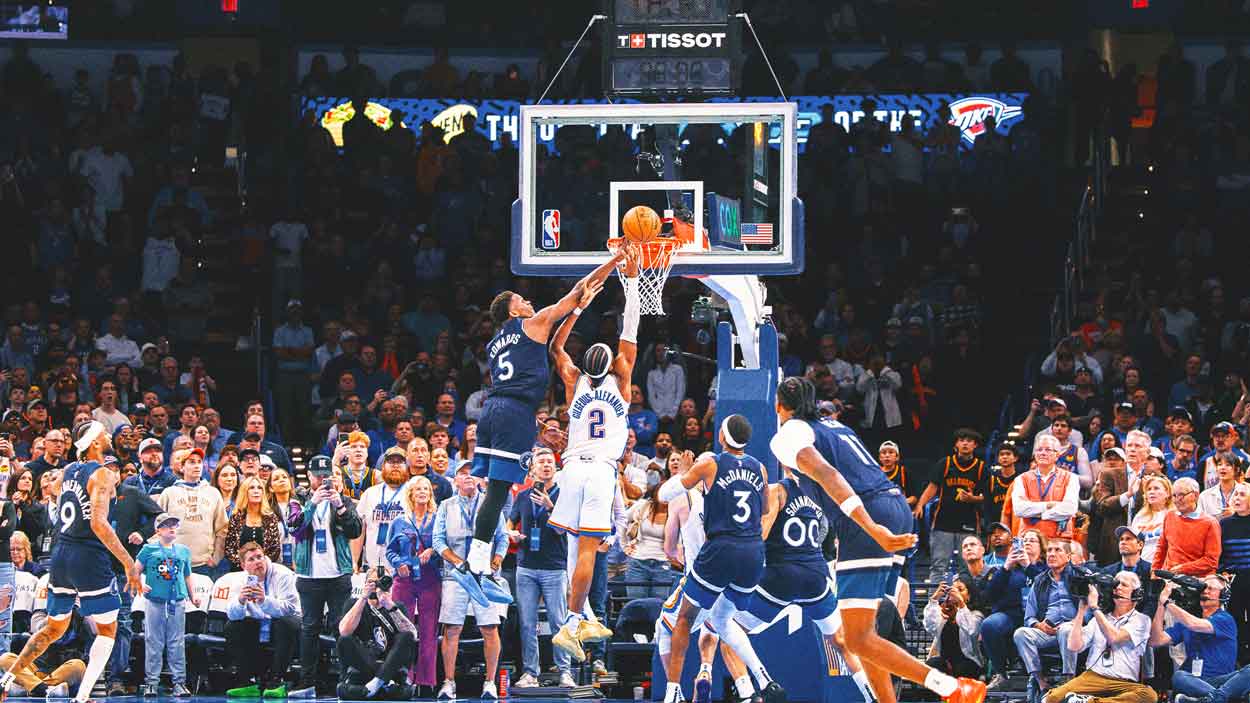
<point>323,558</point>
<point>1047,605</point>
<point>1004,592</point>
<point>949,618</point>
<point>541,566</point>
<point>267,611</point>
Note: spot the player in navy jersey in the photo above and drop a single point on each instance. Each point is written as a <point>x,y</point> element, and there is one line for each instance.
<point>799,519</point>
<point>519,374</point>
<point>878,525</point>
<point>729,565</point>
<point>81,569</point>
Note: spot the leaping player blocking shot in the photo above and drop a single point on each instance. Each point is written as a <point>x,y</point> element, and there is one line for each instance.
<point>730,562</point>
<point>519,373</point>
<point>81,568</point>
<point>598,429</point>
<point>879,524</point>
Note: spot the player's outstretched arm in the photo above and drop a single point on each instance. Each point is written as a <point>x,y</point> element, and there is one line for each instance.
<point>102,487</point>
<point>693,473</point>
<point>775,498</point>
<point>538,327</point>
<point>809,461</point>
<point>564,363</point>
<point>627,347</point>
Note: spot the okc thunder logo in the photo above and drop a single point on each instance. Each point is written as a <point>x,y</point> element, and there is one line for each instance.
<point>968,114</point>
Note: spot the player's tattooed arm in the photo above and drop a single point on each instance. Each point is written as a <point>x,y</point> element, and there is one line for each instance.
<point>102,489</point>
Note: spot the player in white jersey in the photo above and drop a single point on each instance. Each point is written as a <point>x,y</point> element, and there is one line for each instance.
<point>685,527</point>
<point>598,429</point>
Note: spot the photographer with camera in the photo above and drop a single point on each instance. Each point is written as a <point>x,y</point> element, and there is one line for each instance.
<point>1116,642</point>
<point>376,641</point>
<point>1130,546</point>
<point>1209,634</point>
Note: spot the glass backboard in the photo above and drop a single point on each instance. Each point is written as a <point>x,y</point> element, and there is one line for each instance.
<point>727,171</point>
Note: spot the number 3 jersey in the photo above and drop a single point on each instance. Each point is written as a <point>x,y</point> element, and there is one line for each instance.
<point>73,508</point>
<point>598,420</point>
<point>734,503</point>
<point>518,365</point>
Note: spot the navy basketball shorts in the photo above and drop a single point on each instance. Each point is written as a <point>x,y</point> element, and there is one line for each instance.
<point>866,572</point>
<point>84,574</point>
<point>804,585</point>
<point>505,431</point>
<point>726,566</point>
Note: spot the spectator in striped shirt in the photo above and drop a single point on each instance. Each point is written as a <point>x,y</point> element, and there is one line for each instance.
<point>1235,560</point>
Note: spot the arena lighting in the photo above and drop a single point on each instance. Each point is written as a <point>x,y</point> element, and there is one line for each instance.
<point>230,6</point>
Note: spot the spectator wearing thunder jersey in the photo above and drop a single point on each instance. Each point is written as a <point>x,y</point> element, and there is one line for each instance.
<point>959,482</point>
<point>1045,497</point>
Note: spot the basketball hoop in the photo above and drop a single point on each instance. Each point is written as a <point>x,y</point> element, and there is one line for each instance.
<point>655,260</point>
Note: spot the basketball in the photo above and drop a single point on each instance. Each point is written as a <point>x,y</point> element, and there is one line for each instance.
<point>640,224</point>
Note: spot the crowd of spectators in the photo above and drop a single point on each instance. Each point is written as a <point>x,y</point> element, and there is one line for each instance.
<point>371,264</point>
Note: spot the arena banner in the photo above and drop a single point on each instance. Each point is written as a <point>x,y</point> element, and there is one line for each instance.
<point>496,118</point>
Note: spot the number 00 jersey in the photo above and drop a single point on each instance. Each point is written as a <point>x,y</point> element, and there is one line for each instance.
<point>518,365</point>
<point>734,504</point>
<point>74,506</point>
<point>598,420</point>
<point>799,531</point>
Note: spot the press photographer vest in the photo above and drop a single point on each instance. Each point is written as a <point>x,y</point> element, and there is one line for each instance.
<point>1040,490</point>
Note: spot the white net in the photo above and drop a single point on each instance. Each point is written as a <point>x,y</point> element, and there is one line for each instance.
<point>655,260</point>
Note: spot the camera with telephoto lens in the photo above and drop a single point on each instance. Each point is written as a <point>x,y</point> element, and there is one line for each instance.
<point>1084,578</point>
<point>1188,591</point>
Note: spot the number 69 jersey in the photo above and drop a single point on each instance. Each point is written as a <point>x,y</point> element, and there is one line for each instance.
<point>598,420</point>
<point>73,508</point>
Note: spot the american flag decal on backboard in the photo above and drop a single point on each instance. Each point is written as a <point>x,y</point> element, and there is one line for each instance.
<point>757,232</point>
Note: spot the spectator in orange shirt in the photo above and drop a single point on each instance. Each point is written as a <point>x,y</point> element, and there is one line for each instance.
<point>1190,543</point>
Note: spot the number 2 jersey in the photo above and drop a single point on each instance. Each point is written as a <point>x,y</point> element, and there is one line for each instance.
<point>518,365</point>
<point>74,506</point>
<point>598,420</point>
<point>734,504</point>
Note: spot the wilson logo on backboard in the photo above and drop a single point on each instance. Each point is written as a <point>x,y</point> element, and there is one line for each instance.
<point>968,114</point>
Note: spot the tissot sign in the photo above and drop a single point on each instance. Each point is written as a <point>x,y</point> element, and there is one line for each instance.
<point>671,40</point>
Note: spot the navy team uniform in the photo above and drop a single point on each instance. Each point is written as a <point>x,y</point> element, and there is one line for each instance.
<point>81,565</point>
<point>732,559</point>
<point>865,572</point>
<point>796,571</point>
<point>519,374</point>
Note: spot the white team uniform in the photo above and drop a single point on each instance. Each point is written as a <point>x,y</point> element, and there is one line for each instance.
<point>598,431</point>
<point>692,538</point>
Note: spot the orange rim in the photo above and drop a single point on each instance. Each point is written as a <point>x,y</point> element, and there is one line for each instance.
<point>656,253</point>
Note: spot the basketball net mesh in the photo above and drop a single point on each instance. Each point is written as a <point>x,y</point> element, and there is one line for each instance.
<point>655,260</point>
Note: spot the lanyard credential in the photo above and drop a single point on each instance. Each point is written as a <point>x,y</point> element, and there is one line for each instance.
<point>1041,494</point>
<point>467,516</point>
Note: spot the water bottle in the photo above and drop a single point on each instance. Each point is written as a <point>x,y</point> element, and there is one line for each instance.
<point>505,675</point>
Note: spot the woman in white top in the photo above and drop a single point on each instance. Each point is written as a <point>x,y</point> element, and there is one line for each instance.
<point>648,565</point>
<point>1148,522</point>
<point>952,607</point>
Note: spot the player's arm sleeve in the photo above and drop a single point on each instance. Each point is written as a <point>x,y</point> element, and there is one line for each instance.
<point>792,438</point>
<point>671,489</point>
<point>633,307</point>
